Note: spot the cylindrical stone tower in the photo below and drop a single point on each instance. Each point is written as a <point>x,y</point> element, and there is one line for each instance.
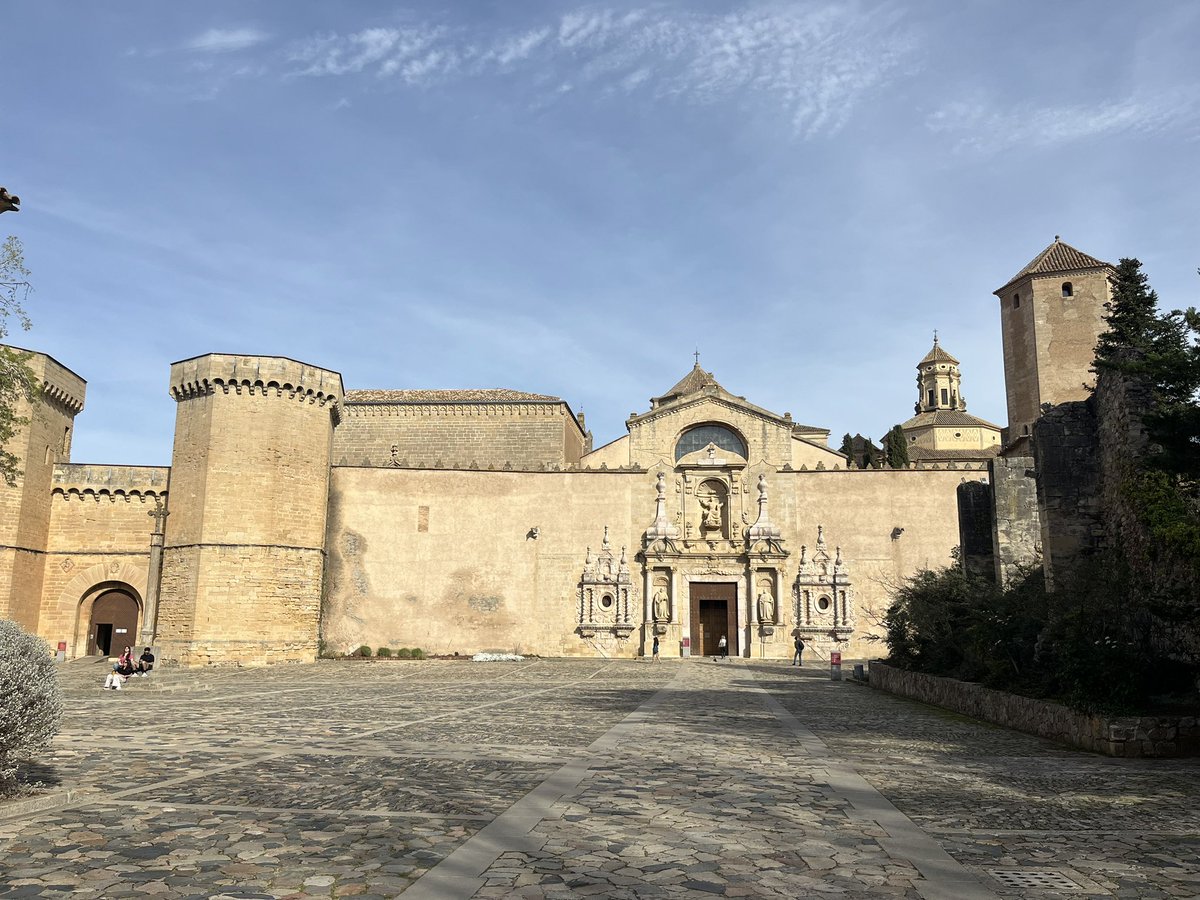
<point>245,542</point>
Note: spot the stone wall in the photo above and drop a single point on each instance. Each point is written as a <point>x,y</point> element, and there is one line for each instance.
<point>1016,528</point>
<point>99,536</point>
<point>975,521</point>
<point>25,506</point>
<point>244,550</point>
<point>520,435</point>
<point>1067,461</point>
<point>1126,736</point>
<point>446,560</point>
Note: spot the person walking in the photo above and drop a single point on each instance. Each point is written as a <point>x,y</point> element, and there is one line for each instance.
<point>723,648</point>
<point>796,661</point>
<point>654,657</point>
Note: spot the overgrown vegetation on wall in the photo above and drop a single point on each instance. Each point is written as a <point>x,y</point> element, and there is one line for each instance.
<point>17,381</point>
<point>1120,632</point>
<point>30,704</point>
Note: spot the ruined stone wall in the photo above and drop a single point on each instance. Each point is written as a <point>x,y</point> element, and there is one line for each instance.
<point>1016,526</point>
<point>99,531</point>
<point>1067,461</point>
<point>25,506</point>
<point>447,561</point>
<point>520,435</point>
<point>976,519</point>
<point>244,550</point>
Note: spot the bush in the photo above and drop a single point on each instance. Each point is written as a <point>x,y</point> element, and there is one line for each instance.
<point>30,704</point>
<point>364,651</point>
<point>383,652</point>
<point>404,653</point>
<point>418,653</point>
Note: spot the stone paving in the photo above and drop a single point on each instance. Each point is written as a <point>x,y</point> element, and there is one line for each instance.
<point>571,778</point>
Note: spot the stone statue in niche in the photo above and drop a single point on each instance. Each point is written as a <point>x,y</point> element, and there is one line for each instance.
<point>710,518</point>
<point>766,608</point>
<point>662,612</point>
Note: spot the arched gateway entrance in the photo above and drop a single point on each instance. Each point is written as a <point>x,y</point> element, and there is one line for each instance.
<point>113,623</point>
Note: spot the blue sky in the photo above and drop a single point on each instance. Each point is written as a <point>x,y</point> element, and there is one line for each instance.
<point>570,198</point>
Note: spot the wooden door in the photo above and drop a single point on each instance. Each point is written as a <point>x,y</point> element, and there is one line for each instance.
<point>714,613</point>
<point>114,624</point>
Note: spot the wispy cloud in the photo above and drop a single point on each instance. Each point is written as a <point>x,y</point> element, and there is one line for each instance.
<point>981,126</point>
<point>813,64</point>
<point>225,40</point>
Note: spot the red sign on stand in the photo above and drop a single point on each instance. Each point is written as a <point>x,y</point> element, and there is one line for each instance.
<point>62,646</point>
<point>835,658</point>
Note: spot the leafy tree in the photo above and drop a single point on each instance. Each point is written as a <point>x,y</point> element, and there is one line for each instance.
<point>17,380</point>
<point>847,447</point>
<point>895,447</point>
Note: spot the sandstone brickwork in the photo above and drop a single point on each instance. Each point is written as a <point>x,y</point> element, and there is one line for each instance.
<point>244,550</point>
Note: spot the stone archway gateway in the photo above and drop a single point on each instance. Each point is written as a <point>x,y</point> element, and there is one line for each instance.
<point>113,624</point>
<point>714,615</point>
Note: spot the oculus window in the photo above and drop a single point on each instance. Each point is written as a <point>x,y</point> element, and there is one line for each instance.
<point>700,437</point>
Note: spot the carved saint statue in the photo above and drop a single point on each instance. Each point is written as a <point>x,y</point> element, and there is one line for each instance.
<point>711,517</point>
<point>766,608</point>
<point>662,612</point>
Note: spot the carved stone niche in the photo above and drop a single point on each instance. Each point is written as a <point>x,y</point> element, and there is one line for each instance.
<point>824,595</point>
<point>604,594</point>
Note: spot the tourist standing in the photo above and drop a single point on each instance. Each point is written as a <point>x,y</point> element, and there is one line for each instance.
<point>654,657</point>
<point>796,661</point>
<point>723,648</point>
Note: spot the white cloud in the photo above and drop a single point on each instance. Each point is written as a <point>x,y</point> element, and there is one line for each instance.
<point>812,64</point>
<point>226,40</point>
<point>978,124</point>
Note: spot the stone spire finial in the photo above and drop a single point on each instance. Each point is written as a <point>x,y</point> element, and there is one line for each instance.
<point>604,545</point>
<point>662,526</point>
<point>762,529</point>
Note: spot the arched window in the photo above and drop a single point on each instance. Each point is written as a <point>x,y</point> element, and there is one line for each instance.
<point>702,435</point>
<point>1067,290</point>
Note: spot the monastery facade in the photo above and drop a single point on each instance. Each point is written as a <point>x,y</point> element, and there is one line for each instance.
<point>295,512</point>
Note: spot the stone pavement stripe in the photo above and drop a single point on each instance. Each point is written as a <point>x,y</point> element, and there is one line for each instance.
<point>322,811</point>
<point>279,754</point>
<point>945,879</point>
<point>461,873</point>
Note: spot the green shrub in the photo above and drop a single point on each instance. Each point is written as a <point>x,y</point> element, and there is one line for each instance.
<point>418,653</point>
<point>31,702</point>
<point>364,651</point>
<point>383,653</point>
<point>404,653</point>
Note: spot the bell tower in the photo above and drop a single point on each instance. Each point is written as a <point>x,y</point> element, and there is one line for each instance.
<point>1051,314</point>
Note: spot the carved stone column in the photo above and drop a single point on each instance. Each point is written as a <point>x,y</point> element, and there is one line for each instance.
<point>153,576</point>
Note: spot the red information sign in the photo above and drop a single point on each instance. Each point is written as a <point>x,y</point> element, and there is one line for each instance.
<point>687,642</point>
<point>835,658</point>
<point>62,646</point>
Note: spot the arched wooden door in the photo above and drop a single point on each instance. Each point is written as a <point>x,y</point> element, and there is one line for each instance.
<point>114,624</point>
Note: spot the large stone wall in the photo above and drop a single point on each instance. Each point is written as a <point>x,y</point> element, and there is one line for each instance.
<point>25,506</point>
<point>448,561</point>
<point>99,537</point>
<point>244,548</point>
<point>519,435</point>
<point>1124,736</point>
<point>1067,460</point>
<point>1016,530</point>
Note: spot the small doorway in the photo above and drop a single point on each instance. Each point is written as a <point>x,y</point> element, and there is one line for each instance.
<point>714,613</point>
<point>114,624</point>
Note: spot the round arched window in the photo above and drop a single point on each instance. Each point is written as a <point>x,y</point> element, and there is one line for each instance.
<point>702,435</point>
<point>606,601</point>
<point>823,604</point>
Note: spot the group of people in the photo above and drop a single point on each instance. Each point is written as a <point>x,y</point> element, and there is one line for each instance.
<point>125,668</point>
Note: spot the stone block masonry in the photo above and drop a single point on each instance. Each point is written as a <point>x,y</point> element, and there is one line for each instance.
<point>1124,736</point>
<point>244,552</point>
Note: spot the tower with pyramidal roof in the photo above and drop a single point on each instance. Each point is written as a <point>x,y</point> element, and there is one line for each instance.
<point>1051,313</point>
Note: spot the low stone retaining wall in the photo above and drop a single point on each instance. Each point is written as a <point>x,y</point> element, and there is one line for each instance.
<point>1127,736</point>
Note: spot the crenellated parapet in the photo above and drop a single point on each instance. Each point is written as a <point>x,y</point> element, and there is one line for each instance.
<point>267,376</point>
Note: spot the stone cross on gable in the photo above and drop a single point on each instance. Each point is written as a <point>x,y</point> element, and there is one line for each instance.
<point>159,515</point>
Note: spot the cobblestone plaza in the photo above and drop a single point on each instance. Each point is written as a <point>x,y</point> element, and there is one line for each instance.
<point>559,779</point>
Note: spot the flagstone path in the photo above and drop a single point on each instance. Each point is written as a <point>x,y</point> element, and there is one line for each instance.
<point>572,778</point>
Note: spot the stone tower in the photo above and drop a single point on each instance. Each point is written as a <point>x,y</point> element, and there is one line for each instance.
<point>938,381</point>
<point>1051,313</point>
<point>245,542</point>
<point>44,440</point>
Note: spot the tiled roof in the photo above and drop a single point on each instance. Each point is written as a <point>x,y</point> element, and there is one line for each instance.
<point>1058,257</point>
<point>937,354</point>
<point>947,417</point>
<point>491,395</point>
<point>917,453</point>
<point>692,382</point>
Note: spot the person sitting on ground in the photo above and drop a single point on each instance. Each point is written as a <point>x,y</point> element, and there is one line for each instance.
<point>125,662</point>
<point>145,663</point>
